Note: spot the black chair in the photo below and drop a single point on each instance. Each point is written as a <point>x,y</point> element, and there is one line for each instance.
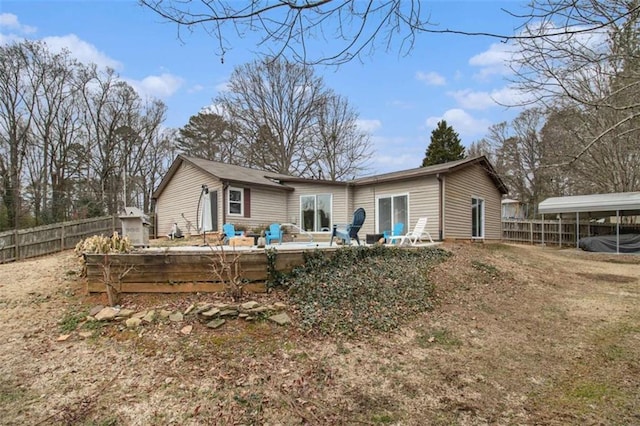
<point>351,230</point>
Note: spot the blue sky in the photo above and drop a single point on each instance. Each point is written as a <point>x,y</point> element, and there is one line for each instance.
<point>399,98</point>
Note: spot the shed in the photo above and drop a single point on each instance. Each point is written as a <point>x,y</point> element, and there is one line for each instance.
<point>594,206</point>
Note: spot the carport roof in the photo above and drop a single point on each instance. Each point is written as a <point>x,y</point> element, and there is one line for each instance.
<point>619,201</point>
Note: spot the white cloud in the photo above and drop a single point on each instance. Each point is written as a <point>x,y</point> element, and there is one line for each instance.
<point>462,122</point>
<point>157,86</point>
<point>81,50</point>
<point>401,104</point>
<point>11,22</point>
<point>369,126</point>
<point>494,61</point>
<point>480,100</point>
<point>431,78</point>
<point>196,88</point>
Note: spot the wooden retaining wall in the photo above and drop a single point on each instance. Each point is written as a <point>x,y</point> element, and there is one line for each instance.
<point>42,240</point>
<point>182,272</point>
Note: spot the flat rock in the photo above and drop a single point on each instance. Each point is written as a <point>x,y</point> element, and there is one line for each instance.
<point>106,314</point>
<point>140,314</point>
<point>259,309</point>
<point>281,319</point>
<point>249,305</point>
<point>95,310</point>
<point>63,337</point>
<point>215,323</point>
<point>124,313</point>
<point>280,306</point>
<point>186,330</point>
<point>85,334</point>
<point>176,317</point>
<point>189,309</point>
<point>164,313</point>
<point>210,313</point>
<point>228,313</point>
<point>133,322</point>
<point>150,316</point>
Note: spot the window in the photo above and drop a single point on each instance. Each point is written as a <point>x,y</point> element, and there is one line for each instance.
<point>392,210</point>
<point>235,201</point>
<point>477,218</point>
<point>315,212</point>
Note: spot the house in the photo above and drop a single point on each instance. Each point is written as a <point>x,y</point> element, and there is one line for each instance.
<point>460,198</point>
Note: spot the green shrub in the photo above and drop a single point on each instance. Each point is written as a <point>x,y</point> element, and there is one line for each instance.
<point>356,290</point>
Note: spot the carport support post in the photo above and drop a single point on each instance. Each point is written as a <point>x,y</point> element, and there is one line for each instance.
<point>617,231</point>
<point>543,229</point>
<point>577,229</point>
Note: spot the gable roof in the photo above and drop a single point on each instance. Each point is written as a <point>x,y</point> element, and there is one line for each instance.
<point>227,173</point>
<point>242,175</point>
<point>436,169</point>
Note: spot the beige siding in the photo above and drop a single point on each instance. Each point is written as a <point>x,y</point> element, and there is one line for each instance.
<point>267,206</point>
<point>459,188</point>
<point>423,201</point>
<point>181,196</point>
<point>340,200</point>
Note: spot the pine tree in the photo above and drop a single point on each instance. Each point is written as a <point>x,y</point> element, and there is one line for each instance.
<point>445,146</point>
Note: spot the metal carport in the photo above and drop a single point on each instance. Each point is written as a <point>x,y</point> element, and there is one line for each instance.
<point>595,205</point>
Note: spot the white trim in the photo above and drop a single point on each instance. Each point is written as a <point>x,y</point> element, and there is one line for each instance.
<point>377,210</point>
<point>482,213</point>
<point>315,206</point>
<point>241,191</point>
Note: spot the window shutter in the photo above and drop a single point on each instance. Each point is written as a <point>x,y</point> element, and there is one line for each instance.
<point>247,202</point>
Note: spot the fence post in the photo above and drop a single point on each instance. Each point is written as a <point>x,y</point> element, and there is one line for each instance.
<point>16,245</point>
<point>62,238</point>
<point>531,231</point>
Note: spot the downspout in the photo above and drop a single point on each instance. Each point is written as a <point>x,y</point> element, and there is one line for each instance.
<point>440,207</point>
<point>225,186</point>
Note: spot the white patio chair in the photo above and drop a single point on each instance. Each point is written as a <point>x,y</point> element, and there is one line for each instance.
<point>413,237</point>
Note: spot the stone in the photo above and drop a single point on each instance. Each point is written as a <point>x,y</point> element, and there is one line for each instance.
<point>210,313</point>
<point>95,310</point>
<point>176,317</point>
<point>150,316</point>
<point>140,314</point>
<point>259,310</point>
<point>63,337</point>
<point>249,305</point>
<point>228,313</point>
<point>243,315</point>
<point>189,309</point>
<point>106,314</point>
<point>281,319</point>
<point>164,313</point>
<point>215,323</point>
<point>280,306</point>
<point>202,307</point>
<point>124,313</point>
<point>186,330</point>
<point>85,334</point>
<point>133,322</point>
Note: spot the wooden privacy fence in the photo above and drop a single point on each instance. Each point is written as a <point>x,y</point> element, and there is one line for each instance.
<point>557,232</point>
<point>25,243</point>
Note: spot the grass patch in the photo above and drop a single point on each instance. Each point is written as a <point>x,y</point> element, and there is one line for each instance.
<point>70,321</point>
<point>441,336</point>
<point>357,290</point>
<point>485,268</point>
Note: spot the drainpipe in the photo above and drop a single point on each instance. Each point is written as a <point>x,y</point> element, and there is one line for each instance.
<point>440,207</point>
<point>225,185</point>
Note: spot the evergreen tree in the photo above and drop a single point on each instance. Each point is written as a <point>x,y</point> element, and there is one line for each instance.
<point>445,146</point>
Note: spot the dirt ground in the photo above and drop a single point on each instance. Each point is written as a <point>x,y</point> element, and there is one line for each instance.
<point>520,335</point>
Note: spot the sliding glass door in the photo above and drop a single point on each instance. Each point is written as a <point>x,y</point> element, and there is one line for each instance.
<point>391,210</point>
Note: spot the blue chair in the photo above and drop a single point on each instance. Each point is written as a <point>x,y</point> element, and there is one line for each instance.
<point>351,230</point>
<point>273,233</point>
<point>398,229</point>
<point>230,231</point>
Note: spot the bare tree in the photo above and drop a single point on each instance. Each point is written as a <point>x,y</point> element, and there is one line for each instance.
<point>355,28</point>
<point>342,148</point>
<point>595,71</point>
<point>275,104</point>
